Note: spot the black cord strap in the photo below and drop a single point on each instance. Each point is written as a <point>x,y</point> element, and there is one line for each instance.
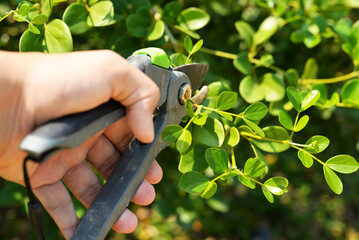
<point>35,209</point>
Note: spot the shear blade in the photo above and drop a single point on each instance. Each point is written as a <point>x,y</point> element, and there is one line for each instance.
<point>195,72</point>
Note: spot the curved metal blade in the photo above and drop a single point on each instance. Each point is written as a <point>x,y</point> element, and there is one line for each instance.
<point>196,73</point>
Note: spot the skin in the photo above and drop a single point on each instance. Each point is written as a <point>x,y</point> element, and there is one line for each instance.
<point>37,87</point>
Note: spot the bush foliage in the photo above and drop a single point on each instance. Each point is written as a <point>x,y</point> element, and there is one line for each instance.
<point>281,113</point>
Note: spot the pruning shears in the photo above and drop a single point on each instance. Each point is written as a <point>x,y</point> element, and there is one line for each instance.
<point>175,84</point>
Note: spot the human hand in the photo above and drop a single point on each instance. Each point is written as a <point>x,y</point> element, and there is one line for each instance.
<point>35,88</point>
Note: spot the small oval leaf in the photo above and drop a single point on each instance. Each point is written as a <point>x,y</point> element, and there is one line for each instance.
<point>343,164</point>
<point>309,100</point>
<point>209,191</point>
<point>171,133</point>
<point>305,158</point>
<point>193,182</point>
<point>217,159</point>
<point>226,100</point>
<point>333,180</point>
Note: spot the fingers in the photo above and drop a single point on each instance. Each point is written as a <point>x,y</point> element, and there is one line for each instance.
<point>57,201</point>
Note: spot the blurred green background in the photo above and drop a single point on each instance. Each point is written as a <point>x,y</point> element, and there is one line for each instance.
<point>310,210</point>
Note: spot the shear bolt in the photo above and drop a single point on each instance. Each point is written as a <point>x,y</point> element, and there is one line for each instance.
<point>185,92</point>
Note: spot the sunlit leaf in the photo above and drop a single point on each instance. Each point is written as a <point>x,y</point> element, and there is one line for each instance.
<point>311,98</point>
<point>254,167</point>
<point>101,14</point>
<point>193,159</point>
<point>317,144</point>
<point>285,120</point>
<point>209,191</point>
<point>301,123</point>
<point>273,132</point>
<point>276,185</point>
<point>233,137</point>
<point>226,100</point>
<point>193,182</point>
<point>242,63</point>
<point>200,119</point>
<point>193,18</point>
<point>343,164</point>
<point>188,44</point>
<point>247,181</point>
<point>267,29</point>
<point>184,141</point>
<point>245,31</point>
<point>156,31</point>
<point>171,133</point>
<point>211,134</point>
<point>255,111</point>
<point>333,180</point>
<point>250,90</point>
<point>305,158</point>
<point>294,97</point>
<point>217,159</point>
<point>268,194</point>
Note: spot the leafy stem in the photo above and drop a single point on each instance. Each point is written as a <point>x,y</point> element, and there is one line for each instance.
<point>331,80</point>
<point>314,157</point>
<point>295,124</point>
<point>219,111</point>
<point>248,136</point>
<point>233,158</point>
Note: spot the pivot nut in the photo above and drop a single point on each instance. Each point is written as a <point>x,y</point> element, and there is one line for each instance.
<point>185,93</point>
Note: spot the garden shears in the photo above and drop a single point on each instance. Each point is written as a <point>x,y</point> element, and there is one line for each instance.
<point>175,84</point>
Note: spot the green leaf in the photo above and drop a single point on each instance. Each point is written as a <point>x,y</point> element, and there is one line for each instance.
<point>301,123</point>
<point>156,31</point>
<point>101,14</point>
<point>309,100</point>
<point>75,16</point>
<point>285,120</point>
<point>273,87</point>
<point>233,137</point>
<point>267,29</point>
<point>273,132</point>
<point>193,18</point>
<point>217,159</point>
<point>171,11</point>
<point>226,100</point>
<point>292,77</point>
<point>350,92</point>
<point>200,119</point>
<point>322,88</point>
<point>266,60</point>
<point>254,127</point>
<point>247,181</point>
<point>255,111</point>
<point>197,46</point>
<point>305,158</point>
<point>310,69</point>
<point>242,63</point>
<point>260,156</point>
<point>343,164</point>
<point>193,182</point>
<point>250,90</point>
<point>245,31</point>
<point>211,134</point>
<point>333,180</point>
<point>188,44</point>
<point>184,141</point>
<point>34,29</point>
<point>24,9</point>
<point>58,37</point>
<point>171,133</point>
<point>276,185</point>
<point>317,144</point>
<point>226,116</point>
<point>193,159</point>
<point>39,19</point>
<point>209,191</point>
<point>189,109</point>
<point>294,97</point>
<point>46,7</point>
<point>215,88</point>
<point>333,101</point>
<point>178,59</point>
<point>254,167</point>
<point>30,42</point>
<point>267,194</point>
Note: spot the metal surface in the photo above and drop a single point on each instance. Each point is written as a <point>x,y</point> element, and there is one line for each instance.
<point>196,73</point>
<point>185,93</point>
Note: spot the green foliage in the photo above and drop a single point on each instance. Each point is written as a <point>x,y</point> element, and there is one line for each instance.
<point>285,57</point>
